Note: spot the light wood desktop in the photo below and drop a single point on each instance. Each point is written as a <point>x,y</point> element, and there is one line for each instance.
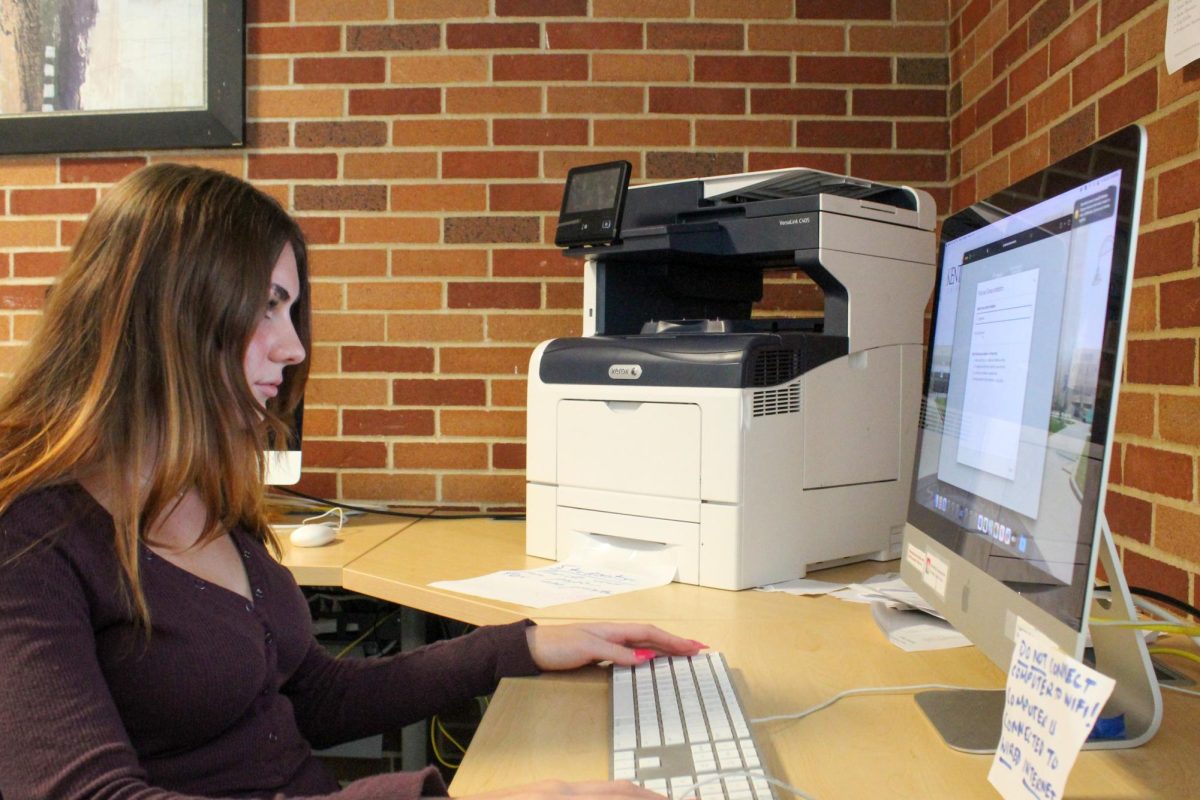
<point>787,653</point>
<point>323,566</point>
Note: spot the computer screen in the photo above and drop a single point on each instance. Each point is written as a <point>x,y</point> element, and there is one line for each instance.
<point>1022,373</point>
<point>283,464</point>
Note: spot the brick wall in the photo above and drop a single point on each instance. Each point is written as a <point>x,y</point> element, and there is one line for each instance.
<point>422,144</point>
<point>1033,81</point>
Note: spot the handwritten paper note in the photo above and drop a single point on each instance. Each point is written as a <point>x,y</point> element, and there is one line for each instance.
<point>565,582</point>
<point>1183,34</point>
<point>1051,703</point>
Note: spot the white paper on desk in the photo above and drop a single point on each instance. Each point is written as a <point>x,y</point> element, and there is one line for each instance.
<point>803,586</point>
<point>914,631</point>
<point>1051,703</point>
<point>594,571</point>
<point>1183,34</point>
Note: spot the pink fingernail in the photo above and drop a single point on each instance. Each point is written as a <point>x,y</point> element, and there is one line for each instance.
<point>644,655</point>
<point>701,645</point>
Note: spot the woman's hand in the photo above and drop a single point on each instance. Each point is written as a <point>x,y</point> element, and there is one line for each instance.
<point>569,646</point>
<point>583,790</point>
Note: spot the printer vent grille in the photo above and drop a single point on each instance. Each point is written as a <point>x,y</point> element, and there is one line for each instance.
<point>773,367</point>
<point>768,402</point>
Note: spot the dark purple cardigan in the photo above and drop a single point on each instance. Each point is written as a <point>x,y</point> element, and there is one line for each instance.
<point>227,697</point>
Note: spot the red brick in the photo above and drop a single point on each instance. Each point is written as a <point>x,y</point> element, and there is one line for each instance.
<point>792,38</point>
<point>594,35</point>
<point>1115,12</point>
<point>98,170</point>
<point>743,133</point>
<point>494,100</point>
<point>38,264</point>
<point>532,327</point>
<point>1162,361</point>
<point>850,70</point>
<point>1143,309</point>
<point>1180,303</point>
<point>320,230</point>
<point>341,134</point>
<point>381,358</point>
<point>742,69</point>
<point>425,392</point>
<point>896,39</point>
<point>283,166</point>
<point>376,166</point>
<point>339,262</point>
<point>440,327</point>
<point>1099,70</point>
<point>693,36</point>
<point>1047,17</point>
<point>1148,573</point>
<point>541,8</point>
<point>593,99</point>
<point>1028,76</point>
<point>267,134</point>
<point>539,132</point>
<point>317,484</point>
<point>51,201</point>
<point>830,162</point>
<point>393,38</point>
<point>379,102</point>
<point>268,11</point>
<point>1159,471</point>
<point>674,164</point>
<point>1175,531</point>
<point>493,295</point>
<point>1165,250</point>
<point>542,262</point>
<point>1049,104</point>
<point>556,163</point>
<point>1008,130</point>
<point>491,229</point>
<point>340,70</point>
<point>502,424</point>
<point>642,132</point>
<point>899,102</point>
<point>539,67</point>
<point>294,39</point>
<point>1179,418</point>
<point>525,196</point>
<point>440,262</point>
<point>848,134</point>
<point>803,102</point>
<point>1177,189</point>
<point>1128,103</point>
<point>991,105</point>
<point>389,487</point>
<point>664,100</point>
<point>1172,136</point>
<point>492,35</point>
<point>921,136</point>
<point>341,198</point>
<point>467,488</point>
<point>1128,516</point>
<point>899,167</point>
<point>22,297</point>
<point>1010,50</point>
<point>1073,133</point>
<point>376,422</point>
<point>340,454</point>
<point>508,455</point>
<point>848,9</point>
<point>1073,41</point>
<point>1135,414</point>
<point>506,361</point>
<point>564,295</point>
<point>440,455</point>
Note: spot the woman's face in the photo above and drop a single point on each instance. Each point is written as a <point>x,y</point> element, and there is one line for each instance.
<point>275,343</point>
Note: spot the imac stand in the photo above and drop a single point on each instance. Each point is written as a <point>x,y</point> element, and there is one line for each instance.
<point>970,720</point>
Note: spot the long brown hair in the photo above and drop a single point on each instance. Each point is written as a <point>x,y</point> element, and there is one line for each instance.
<point>136,372</point>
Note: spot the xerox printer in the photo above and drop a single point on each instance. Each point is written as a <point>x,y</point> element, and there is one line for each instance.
<point>680,429</point>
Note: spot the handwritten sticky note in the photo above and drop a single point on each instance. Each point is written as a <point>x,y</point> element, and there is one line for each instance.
<point>1051,703</point>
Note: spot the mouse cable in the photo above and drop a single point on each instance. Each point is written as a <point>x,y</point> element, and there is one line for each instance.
<point>1179,689</point>
<point>393,513</point>
<point>868,690</point>
<point>743,773</point>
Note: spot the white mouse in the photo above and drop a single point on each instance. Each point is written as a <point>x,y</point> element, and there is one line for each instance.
<point>313,535</point>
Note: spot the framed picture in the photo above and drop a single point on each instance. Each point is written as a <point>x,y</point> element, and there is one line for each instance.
<point>85,75</point>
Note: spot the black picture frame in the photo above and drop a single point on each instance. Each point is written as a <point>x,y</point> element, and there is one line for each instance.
<point>219,124</point>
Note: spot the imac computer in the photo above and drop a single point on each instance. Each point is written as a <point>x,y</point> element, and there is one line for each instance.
<point>1006,515</point>
<point>283,464</point>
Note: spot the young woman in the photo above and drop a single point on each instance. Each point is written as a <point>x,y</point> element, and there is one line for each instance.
<point>150,646</point>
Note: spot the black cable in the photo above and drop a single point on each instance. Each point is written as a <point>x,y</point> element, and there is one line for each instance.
<point>1165,598</point>
<point>389,512</point>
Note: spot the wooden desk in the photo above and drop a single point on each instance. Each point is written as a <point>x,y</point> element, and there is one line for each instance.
<point>323,566</point>
<point>787,653</point>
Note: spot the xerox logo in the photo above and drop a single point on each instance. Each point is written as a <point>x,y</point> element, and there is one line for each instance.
<point>625,372</point>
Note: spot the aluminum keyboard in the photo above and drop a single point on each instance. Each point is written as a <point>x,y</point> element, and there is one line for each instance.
<point>678,721</point>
